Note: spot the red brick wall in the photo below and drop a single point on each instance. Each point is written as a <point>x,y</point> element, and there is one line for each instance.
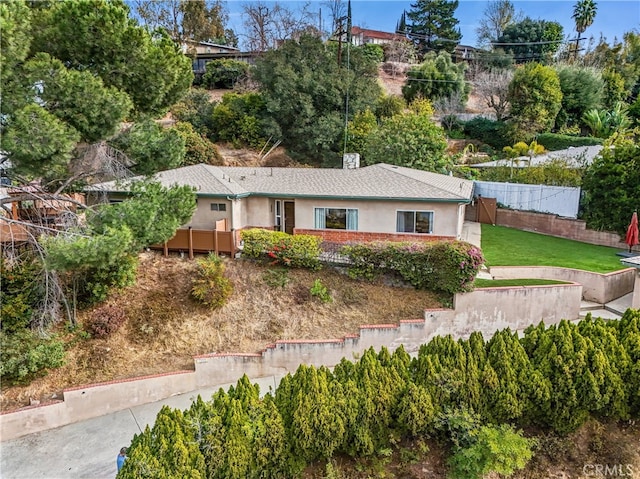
<point>553,225</point>
<point>344,236</point>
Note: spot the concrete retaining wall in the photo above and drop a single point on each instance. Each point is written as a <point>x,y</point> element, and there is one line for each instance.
<point>485,310</point>
<point>599,288</point>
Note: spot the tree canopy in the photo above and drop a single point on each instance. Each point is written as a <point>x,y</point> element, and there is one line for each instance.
<point>74,72</point>
<point>531,40</point>
<point>435,78</point>
<point>305,91</point>
<point>432,25</point>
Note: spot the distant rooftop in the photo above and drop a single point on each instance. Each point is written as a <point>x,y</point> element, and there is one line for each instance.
<point>575,157</point>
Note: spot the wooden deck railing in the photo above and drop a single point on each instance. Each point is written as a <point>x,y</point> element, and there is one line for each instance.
<point>200,241</point>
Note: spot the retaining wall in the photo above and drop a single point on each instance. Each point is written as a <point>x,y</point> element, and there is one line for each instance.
<point>599,288</point>
<point>485,310</point>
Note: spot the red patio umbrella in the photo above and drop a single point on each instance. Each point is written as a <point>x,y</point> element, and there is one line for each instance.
<point>632,232</point>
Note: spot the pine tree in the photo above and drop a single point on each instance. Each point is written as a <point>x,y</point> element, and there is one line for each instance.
<point>433,26</point>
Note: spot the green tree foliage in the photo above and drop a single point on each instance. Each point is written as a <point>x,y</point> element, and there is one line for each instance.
<point>99,36</point>
<point>435,78</point>
<point>432,25</point>
<point>24,355</point>
<point>581,91</point>
<point>493,133</point>
<point>584,12</point>
<point>72,72</point>
<point>240,120</point>
<point>20,290</point>
<point>198,148</point>
<point>536,98</point>
<point>151,212</point>
<point>389,105</point>
<point>196,108</point>
<point>526,39</point>
<point>224,73</point>
<point>410,139</point>
<point>296,251</point>
<point>612,185</point>
<point>614,90</point>
<point>555,141</point>
<point>151,147</point>
<point>623,59</point>
<point>305,91</point>
<point>363,125</point>
<point>495,449</point>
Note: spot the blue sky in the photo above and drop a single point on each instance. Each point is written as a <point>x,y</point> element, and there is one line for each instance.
<point>614,17</point>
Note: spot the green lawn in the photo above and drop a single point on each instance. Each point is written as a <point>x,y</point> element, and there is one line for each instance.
<point>511,247</point>
<point>496,283</point>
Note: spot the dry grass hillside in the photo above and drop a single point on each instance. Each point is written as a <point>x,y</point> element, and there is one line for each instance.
<point>165,328</point>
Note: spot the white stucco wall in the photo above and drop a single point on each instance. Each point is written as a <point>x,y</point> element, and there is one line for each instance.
<point>204,218</point>
<point>380,216</point>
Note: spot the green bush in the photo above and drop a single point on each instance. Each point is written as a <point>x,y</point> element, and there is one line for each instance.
<point>296,251</point>
<point>24,355</point>
<point>210,286</point>
<point>554,141</point>
<point>493,133</point>
<point>320,291</point>
<point>445,266</point>
<point>224,73</point>
<point>105,321</point>
<point>495,449</point>
<point>20,290</point>
<point>238,119</point>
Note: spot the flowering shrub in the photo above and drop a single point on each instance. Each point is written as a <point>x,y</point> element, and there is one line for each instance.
<point>105,321</point>
<point>297,251</point>
<point>446,266</point>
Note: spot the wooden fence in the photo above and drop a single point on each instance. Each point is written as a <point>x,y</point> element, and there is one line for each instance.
<point>200,241</point>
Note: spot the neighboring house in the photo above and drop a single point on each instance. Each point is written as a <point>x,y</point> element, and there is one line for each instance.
<point>378,202</point>
<point>204,52</point>
<point>576,157</point>
<point>361,36</point>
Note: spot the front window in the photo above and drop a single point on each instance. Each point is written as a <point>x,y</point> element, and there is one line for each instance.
<point>414,222</point>
<point>336,219</point>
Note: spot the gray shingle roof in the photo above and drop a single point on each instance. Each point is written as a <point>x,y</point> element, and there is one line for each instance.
<point>379,181</point>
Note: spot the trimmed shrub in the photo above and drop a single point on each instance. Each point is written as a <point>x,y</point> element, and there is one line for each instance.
<point>493,133</point>
<point>296,251</point>
<point>446,266</point>
<point>24,356</point>
<point>554,141</point>
<point>105,321</point>
<point>210,286</point>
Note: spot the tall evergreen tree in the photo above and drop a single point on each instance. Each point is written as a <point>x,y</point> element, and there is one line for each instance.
<point>433,26</point>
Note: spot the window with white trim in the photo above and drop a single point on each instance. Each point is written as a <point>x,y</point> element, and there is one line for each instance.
<point>336,219</point>
<point>414,222</point>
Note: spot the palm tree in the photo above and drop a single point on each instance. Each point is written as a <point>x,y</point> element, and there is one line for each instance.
<point>584,12</point>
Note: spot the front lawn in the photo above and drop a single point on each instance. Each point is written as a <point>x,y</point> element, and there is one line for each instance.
<point>503,246</point>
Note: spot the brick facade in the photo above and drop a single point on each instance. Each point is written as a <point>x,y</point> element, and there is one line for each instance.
<point>344,236</point>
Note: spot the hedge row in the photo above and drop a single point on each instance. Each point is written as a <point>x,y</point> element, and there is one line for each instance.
<point>298,251</point>
<point>553,377</point>
<point>554,141</point>
<point>446,266</point>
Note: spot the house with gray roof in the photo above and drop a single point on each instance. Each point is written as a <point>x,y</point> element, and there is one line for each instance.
<point>378,202</point>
